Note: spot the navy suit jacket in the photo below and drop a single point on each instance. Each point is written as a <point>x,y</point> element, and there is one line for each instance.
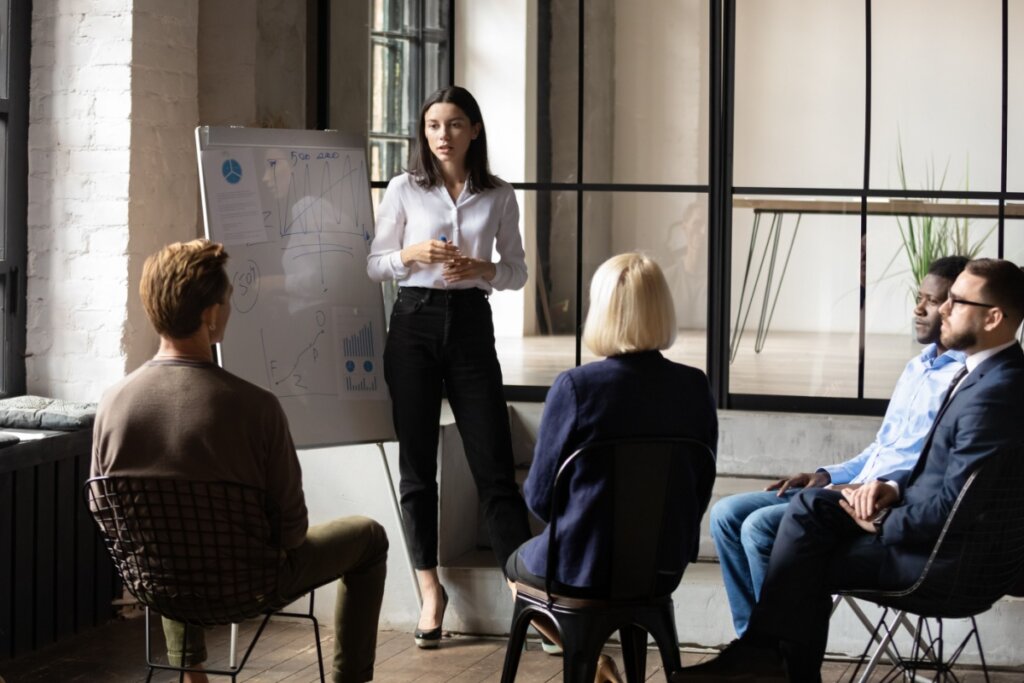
<point>819,548</point>
<point>985,413</point>
<point>633,395</point>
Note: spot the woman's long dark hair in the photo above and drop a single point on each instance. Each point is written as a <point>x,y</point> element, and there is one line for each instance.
<point>424,167</point>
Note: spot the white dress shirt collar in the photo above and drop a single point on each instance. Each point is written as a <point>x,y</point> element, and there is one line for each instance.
<point>976,359</point>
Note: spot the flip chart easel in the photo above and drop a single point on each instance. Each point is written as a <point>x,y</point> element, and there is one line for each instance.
<point>293,209</point>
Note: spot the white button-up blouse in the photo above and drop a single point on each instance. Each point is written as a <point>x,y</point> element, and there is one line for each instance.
<point>475,223</point>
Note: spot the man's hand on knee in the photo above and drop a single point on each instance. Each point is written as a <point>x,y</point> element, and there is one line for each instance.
<point>804,480</point>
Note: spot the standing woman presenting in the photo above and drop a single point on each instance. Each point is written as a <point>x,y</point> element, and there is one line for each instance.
<point>437,227</point>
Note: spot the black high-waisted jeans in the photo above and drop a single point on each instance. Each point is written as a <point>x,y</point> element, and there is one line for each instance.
<point>446,337</point>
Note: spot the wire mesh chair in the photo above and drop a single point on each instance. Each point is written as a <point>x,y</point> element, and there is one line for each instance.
<point>202,553</point>
<point>977,559</point>
<point>646,475</point>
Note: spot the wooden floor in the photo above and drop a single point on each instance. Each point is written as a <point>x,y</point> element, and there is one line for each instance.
<point>285,653</point>
<point>791,363</point>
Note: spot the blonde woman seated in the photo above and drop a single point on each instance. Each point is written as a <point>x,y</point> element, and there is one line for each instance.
<point>633,392</point>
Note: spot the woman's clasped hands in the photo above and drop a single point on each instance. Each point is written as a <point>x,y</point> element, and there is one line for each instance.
<point>456,266</point>
<point>430,251</point>
<point>468,268</point>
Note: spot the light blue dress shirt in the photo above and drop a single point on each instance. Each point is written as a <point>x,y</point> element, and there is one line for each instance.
<point>910,414</point>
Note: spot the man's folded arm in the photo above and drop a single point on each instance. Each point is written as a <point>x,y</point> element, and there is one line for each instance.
<point>978,436</point>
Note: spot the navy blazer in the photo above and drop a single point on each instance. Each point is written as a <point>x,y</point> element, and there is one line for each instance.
<point>985,413</point>
<point>633,395</point>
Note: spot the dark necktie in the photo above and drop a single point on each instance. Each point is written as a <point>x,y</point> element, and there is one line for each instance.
<point>952,386</point>
<point>919,465</point>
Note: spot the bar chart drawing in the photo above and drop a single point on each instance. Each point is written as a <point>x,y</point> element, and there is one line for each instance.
<point>361,356</point>
<point>362,385</point>
<point>359,344</point>
<point>307,323</point>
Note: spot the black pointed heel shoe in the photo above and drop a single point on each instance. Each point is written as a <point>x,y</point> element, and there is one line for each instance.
<point>429,640</point>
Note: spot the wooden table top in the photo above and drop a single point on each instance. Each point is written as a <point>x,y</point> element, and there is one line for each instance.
<point>887,207</point>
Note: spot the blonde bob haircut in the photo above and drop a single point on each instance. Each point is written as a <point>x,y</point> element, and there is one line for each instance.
<point>631,307</point>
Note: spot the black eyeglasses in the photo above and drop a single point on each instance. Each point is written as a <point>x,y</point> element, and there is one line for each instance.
<point>954,300</point>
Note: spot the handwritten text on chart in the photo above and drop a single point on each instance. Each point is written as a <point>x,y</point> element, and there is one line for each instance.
<point>296,157</point>
<point>246,283</point>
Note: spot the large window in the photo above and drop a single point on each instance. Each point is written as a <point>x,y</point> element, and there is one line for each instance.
<point>775,157</point>
<point>605,157</point>
<point>873,128</point>
<point>15,29</point>
<point>409,59</point>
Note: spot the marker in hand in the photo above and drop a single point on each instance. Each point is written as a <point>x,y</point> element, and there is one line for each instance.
<point>444,240</point>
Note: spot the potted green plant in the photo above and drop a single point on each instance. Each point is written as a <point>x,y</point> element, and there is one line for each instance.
<point>927,237</point>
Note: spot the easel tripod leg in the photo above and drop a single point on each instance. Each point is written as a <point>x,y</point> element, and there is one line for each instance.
<point>396,508</point>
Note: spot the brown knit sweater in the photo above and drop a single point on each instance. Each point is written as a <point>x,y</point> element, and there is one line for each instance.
<point>194,420</point>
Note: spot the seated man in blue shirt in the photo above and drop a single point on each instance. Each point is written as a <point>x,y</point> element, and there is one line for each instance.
<point>744,526</point>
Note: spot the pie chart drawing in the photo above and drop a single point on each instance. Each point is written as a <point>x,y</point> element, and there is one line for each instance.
<point>231,170</point>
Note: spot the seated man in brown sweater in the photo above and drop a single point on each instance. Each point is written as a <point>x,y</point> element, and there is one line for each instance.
<point>180,416</point>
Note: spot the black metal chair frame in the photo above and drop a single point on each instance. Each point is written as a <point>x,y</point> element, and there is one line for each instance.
<point>158,528</point>
<point>232,669</point>
<point>977,583</point>
<point>585,624</point>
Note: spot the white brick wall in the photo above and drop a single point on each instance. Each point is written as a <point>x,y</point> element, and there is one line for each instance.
<point>115,93</point>
<point>79,137</point>
<point>111,178</point>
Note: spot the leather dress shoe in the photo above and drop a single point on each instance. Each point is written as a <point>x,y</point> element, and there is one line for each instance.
<point>740,662</point>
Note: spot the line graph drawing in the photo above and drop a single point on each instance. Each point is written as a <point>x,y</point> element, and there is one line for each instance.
<point>320,210</point>
<point>307,323</point>
<point>300,365</point>
<point>319,194</point>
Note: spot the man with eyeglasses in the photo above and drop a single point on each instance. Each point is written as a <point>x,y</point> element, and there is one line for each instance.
<point>744,525</point>
<point>879,536</point>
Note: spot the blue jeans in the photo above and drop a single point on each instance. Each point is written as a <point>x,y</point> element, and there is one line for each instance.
<point>743,528</point>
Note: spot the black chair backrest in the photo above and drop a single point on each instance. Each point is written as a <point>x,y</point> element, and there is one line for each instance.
<point>199,552</point>
<point>979,555</point>
<point>660,486</point>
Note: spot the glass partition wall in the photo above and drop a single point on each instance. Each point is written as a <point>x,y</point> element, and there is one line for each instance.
<point>606,157</point>
<point>775,157</point>
<point>863,131</point>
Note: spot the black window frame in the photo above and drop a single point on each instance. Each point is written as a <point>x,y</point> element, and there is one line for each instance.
<point>421,40</point>
<point>719,353</point>
<point>14,112</point>
<point>720,192</point>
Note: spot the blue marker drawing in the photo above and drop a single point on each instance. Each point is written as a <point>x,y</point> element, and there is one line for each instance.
<point>231,170</point>
<point>360,377</point>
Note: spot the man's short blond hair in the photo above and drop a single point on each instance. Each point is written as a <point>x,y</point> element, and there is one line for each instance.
<point>631,307</point>
<point>179,282</point>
